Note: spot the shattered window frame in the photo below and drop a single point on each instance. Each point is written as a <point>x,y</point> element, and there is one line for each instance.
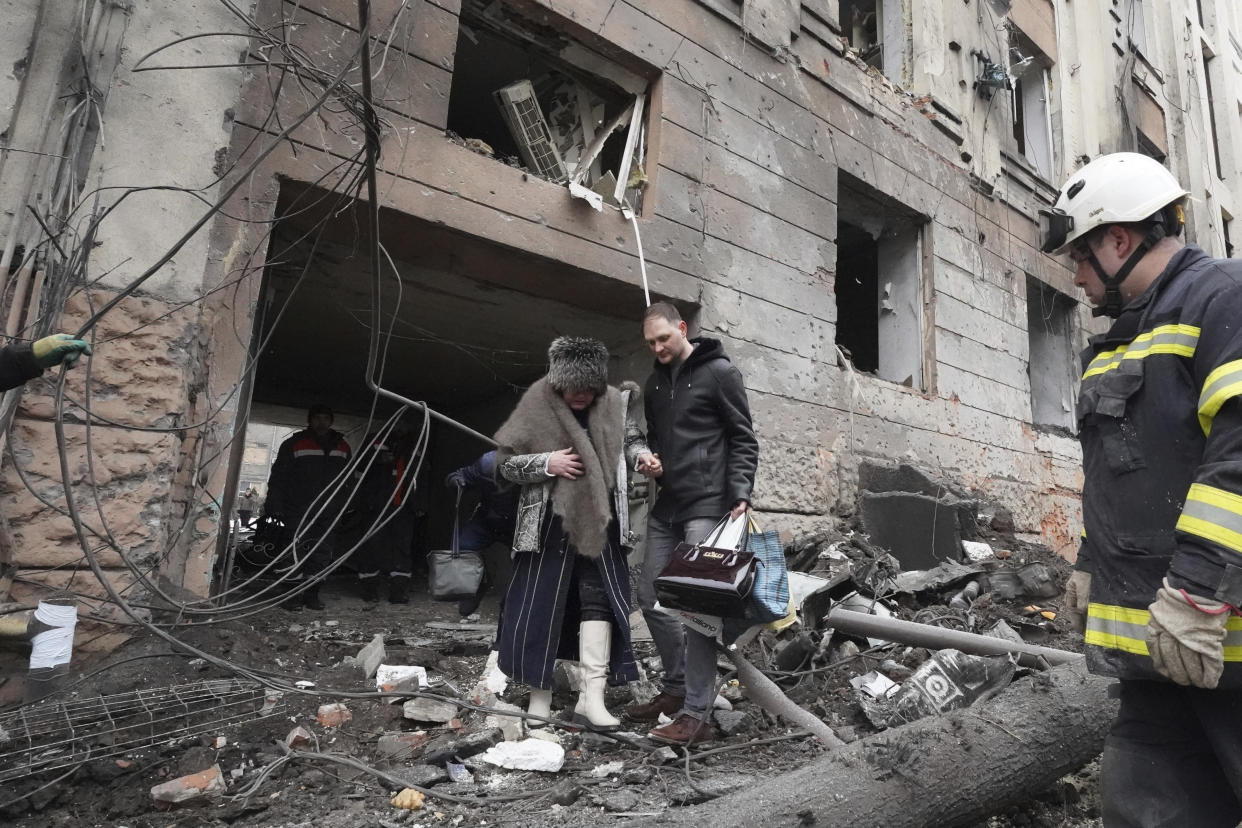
<point>1032,96</point>
<point>538,110</point>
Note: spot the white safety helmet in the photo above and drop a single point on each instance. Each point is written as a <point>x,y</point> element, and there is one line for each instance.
<point>1113,189</point>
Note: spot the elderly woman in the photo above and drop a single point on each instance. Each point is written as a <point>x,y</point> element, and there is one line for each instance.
<point>569,444</point>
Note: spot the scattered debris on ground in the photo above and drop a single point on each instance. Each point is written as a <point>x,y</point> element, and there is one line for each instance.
<point>401,719</point>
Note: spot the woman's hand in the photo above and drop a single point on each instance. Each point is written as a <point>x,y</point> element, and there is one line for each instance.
<point>565,463</point>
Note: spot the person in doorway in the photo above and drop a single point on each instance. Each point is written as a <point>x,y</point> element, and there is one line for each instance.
<point>704,454</point>
<point>385,498</point>
<point>491,521</point>
<point>1158,578</point>
<point>247,505</point>
<point>565,445</point>
<point>302,491</point>
<point>21,363</point>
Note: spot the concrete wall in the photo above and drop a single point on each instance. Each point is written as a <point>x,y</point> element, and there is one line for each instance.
<point>752,118</point>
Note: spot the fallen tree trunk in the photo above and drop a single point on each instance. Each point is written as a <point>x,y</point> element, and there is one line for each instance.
<point>945,770</point>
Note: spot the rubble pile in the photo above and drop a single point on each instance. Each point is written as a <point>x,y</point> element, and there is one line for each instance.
<point>446,741</point>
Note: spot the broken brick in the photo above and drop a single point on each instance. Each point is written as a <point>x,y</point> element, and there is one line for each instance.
<point>192,786</point>
<point>333,715</point>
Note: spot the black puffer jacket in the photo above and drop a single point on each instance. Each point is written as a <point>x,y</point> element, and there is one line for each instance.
<point>702,431</point>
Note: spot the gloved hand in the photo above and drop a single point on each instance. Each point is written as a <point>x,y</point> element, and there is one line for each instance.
<point>455,480</point>
<point>1074,601</point>
<point>51,351</point>
<point>1186,637</point>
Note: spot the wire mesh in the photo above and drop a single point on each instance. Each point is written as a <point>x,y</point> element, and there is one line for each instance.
<point>57,734</point>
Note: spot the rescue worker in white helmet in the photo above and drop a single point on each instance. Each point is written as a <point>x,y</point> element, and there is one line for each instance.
<point>1159,574</point>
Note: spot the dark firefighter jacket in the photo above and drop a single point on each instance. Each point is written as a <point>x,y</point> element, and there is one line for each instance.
<point>700,426</point>
<point>304,467</point>
<point>385,474</point>
<point>1160,424</point>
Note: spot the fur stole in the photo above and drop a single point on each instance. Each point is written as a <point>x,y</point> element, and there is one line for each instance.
<point>543,422</point>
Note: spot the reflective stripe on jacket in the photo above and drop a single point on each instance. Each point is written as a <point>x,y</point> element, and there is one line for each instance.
<point>1161,435</point>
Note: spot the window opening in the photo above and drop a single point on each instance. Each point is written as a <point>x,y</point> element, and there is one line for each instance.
<point>876,30</point>
<point>879,284</point>
<point>1211,112</point>
<point>533,97</point>
<point>1226,224</point>
<point>1146,147</point>
<point>1032,91</point>
<point>1049,325</point>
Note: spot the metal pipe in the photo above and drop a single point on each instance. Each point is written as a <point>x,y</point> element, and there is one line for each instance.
<point>938,638</point>
<point>371,126</point>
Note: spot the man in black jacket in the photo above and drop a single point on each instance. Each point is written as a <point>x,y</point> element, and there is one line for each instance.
<point>704,453</point>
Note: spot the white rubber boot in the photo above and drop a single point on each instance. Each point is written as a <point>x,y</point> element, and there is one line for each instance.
<point>540,704</point>
<point>594,647</point>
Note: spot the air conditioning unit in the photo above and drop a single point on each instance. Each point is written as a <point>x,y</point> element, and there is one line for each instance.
<point>520,109</point>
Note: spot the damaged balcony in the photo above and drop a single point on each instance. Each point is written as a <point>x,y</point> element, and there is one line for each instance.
<point>532,96</point>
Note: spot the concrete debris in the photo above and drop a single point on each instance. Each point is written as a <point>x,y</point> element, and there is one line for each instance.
<point>192,786</point>
<point>429,710</point>
<point>708,787</point>
<point>544,734</point>
<point>333,715</point>
<point>622,801</point>
<point>400,744</point>
<point>528,754</point>
<point>409,799</point>
<point>721,703</point>
<point>1003,631</point>
<point>566,793</point>
<point>665,755</point>
<point>372,656</point>
<point>494,679</point>
<point>399,678</point>
<point>920,531</point>
<point>458,747</point>
<point>949,680</point>
<point>977,551</point>
<point>608,769</point>
<point>299,737</point>
<point>730,721</point>
<point>458,772</point>
<point>513,727</point>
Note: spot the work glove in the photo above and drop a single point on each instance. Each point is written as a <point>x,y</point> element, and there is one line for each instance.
<point>1074,601</point>
<point>1186,637</point>
<point>51,351</point>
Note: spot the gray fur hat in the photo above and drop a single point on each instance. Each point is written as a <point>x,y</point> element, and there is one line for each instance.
<point>577,363</point>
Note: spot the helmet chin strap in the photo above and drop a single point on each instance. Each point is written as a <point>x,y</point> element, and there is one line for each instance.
<point>1112,284</point>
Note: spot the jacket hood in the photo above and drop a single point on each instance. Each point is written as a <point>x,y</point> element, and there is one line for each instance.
<point>705,350</point>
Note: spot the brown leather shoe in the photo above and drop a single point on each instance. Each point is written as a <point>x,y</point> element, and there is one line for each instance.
<point>685,731</point>
<point>664,703</point>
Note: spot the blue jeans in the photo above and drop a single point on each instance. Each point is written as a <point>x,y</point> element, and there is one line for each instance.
<point>688,656</point>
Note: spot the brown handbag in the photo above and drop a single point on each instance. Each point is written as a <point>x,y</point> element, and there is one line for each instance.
<point>707,579</point>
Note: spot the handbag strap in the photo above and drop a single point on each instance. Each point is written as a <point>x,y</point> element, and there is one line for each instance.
<point>456,545</point>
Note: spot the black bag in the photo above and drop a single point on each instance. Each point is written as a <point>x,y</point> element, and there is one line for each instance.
<point>707,579</point>
<point>454,574</point>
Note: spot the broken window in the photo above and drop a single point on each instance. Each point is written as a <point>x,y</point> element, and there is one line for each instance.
<point>1032,92</point>
<point>1226,226</point>
<point>533,96</point>
<point>876,30</point>
<point>1208,69</point>
<point>1052,366</point>
<point>879,283</point>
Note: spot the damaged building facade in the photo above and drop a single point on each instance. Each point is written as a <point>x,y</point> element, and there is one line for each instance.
<point>840,190</point>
